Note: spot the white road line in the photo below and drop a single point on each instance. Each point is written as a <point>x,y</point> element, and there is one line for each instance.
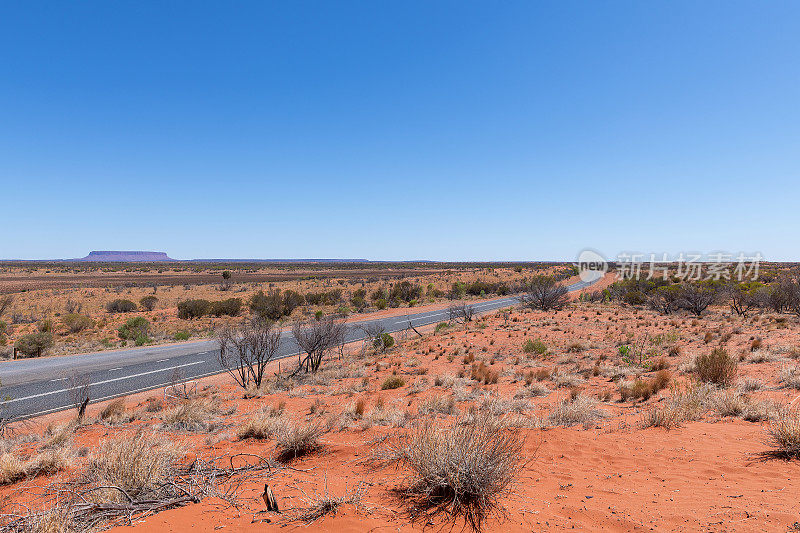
<point>115,369</point>
<point>58,379</point>
<point>103,382</point>
<point>162,360</point>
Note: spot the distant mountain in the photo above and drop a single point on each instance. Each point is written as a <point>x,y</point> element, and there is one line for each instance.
<point>109,256</point>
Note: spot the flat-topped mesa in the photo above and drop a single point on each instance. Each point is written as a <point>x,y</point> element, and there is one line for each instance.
<point>127,256</point>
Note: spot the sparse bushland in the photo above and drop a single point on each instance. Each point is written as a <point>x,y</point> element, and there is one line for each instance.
<point>544,293</point>
<point>534,346</point>
<point>229,307</point>
<point>717,367</point>
<point>460,469</point>
<point>316,339</point>
<point>392,382</point>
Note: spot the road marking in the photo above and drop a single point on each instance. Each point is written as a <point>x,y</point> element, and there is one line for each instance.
<point>102,382</point>
<point>58,379</point>
<point>162,360</point>
<point>115,369</point>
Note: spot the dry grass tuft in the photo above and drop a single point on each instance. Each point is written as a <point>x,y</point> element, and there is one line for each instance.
<point>13,469</point>
<point>462,468</point>
<point>578,410</point>
<point>298,439</point>
<point>261,424</point>
<point>138,464</point>
<point>199,414</point>
<point>784,435</point>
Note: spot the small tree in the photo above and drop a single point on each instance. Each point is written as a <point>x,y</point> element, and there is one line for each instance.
<point>745,296</point>
<point>226,280</point>
<point>246,349</point>
<point>316,338</point>
<point>665,300</point>
<point>544,293</point>
<point>696,297</point>
<point>35,344</point>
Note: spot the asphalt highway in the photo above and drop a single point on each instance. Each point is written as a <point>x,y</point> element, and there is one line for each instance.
<point>33,387</point>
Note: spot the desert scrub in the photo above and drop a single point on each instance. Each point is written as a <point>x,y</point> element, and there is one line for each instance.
<point>463,468</point>
<point>392,382</point>
<point>717,367</point>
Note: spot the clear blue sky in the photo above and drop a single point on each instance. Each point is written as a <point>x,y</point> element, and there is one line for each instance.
<point>399,130</point>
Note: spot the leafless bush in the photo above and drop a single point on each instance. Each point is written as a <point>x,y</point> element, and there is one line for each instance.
<point>544,293</point>
<point>461,312</point>
<point>462,469</point>
<point>79,392</point>
<point>316,338</point>
<point>790,376</point>
<point>246,350</point>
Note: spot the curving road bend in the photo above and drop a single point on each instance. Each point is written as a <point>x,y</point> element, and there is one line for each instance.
<point>33,387</point>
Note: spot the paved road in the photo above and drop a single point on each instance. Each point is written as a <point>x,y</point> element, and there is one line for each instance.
<point>34,387</point>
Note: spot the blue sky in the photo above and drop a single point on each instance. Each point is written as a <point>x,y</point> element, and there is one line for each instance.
<point>399,130</point>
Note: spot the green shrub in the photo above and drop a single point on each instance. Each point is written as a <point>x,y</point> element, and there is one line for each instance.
<point>35,344</point>
<point>76,323</point>
<point>269,306</point>
<point>717,367</point>
<point>189,309</point>
<point>392,382</point>
<point>148,303</point>
<point>383,342</point>
<point>441,326</point>
<point>134,328</point>
<point>534,346</point>
<point>181,336</point>
<point>381,303</point>
<point>120,306</point>
<point>229,307</point>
